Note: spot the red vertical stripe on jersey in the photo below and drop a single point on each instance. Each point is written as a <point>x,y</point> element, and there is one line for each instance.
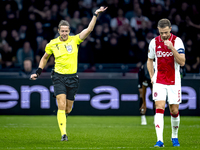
<point>165,62</point>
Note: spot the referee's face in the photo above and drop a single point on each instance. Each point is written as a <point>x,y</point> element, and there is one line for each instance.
<point>165,33</point>
<point>64,32</point>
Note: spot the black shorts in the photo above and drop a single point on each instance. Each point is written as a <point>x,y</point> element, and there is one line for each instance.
<point>140,77</point>
<point>147,83</point>
<point>143,80</point>
<point>65,84</point>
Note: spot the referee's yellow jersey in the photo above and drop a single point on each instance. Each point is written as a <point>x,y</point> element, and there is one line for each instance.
<point>65,53</point>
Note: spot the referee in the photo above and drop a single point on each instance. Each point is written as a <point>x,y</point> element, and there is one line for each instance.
<point>64,76</point>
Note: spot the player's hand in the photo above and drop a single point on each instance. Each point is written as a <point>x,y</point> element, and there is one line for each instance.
<point>168,44</point>
<point>33,77</point>
<point>152,80</point>
<point>143,109</point>
<point>100,10</point>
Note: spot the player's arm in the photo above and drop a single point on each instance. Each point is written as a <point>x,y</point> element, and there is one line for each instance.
<point>150,68</point>
<point>179,57</point>
<point>44,60</point>
<point>42,64</point>
<point>84,34</point>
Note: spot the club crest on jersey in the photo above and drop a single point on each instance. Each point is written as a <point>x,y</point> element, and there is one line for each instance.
<point>155,94</point>
<point>69,48</point>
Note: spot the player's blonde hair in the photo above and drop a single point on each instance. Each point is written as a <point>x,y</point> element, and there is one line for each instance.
<point>164,23</point>
<point>63,23</point>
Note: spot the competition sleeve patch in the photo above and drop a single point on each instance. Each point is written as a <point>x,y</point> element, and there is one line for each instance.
<point>48,49</point>
<point>78,40</point>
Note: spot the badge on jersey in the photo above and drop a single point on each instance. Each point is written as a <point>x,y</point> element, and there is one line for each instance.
<point>69,48</point>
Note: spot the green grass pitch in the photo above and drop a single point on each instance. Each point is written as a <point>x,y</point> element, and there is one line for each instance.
<point>93,133</point>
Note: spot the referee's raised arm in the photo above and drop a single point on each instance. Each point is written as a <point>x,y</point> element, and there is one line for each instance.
<point>92,23</point>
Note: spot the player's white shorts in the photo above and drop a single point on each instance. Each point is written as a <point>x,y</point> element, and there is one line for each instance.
<point>171,92</point>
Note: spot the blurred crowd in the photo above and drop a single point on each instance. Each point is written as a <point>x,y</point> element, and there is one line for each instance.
<point>121,35</point>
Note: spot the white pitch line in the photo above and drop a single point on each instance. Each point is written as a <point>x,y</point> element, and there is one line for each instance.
<point>80,148</point>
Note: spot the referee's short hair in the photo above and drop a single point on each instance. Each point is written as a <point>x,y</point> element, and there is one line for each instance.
<point>63,23</point>
<point>164,23</point>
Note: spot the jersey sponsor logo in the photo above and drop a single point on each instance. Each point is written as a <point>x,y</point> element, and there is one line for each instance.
<point>164,54</point>
<point>69,48</point>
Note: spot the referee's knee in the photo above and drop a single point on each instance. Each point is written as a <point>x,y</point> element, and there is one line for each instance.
<point>61,105</point>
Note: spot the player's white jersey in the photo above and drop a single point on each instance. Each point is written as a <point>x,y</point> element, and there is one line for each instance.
<point>166,68</point>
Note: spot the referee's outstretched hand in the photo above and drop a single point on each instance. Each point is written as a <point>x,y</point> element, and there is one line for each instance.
<point>33,77</point>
